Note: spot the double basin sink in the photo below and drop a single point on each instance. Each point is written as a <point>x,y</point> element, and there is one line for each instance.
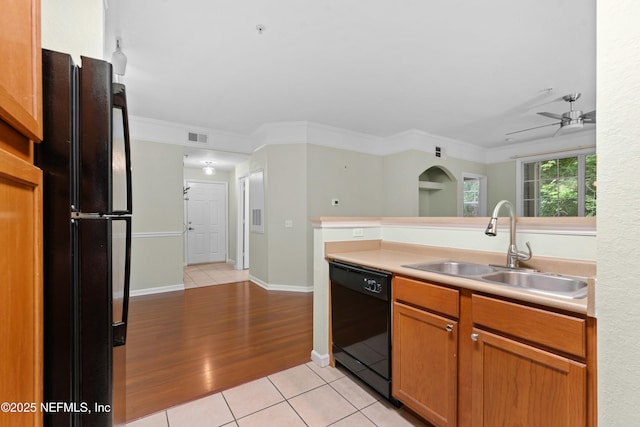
<point>544,283</point>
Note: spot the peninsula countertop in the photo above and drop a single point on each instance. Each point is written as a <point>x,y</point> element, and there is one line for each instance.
<point>392,257</point>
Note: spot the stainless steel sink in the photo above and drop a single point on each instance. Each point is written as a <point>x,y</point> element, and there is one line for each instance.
<point>454,268</point>
<point>564,286</point>
<point>545,283</point>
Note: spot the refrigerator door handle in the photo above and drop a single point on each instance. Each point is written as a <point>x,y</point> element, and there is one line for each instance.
<point>121,173</point>
<point>119,326</point>
<point>119,334</point>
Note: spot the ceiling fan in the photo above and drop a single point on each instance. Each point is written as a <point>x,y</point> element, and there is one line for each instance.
<point>572,119</point>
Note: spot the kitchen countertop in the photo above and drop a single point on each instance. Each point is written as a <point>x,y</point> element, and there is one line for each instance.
<point>391,258</point>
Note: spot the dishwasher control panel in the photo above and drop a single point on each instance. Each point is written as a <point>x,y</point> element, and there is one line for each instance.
<point>372,285</point>
<point>366,281</point>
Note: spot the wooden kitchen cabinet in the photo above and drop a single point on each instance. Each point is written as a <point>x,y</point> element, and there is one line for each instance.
<point>21,363</point>
<point>515,384</point>
<point>461,358</point>
<point>530,370</point>
<point>425,347</point>
<point>20,77</point>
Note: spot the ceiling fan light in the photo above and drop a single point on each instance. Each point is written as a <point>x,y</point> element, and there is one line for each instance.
<point>574,124</point>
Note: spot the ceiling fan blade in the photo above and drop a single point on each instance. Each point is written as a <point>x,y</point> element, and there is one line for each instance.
<point>551,115</point>
<point>556,132</point>
<point>591,115</point>
<point>537,127</point>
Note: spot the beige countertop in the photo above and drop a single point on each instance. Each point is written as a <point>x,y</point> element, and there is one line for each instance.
<point>392,256</point>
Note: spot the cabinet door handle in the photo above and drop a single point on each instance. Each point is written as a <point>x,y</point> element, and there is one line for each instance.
<point>474,337</point>
<point>449,328</point>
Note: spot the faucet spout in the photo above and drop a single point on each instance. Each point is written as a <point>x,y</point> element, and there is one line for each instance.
<point>492,228</point>
<point>513,254</point>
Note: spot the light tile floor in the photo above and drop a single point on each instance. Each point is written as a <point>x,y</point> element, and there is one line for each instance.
<point>305,395</point>
<point>199,275</point>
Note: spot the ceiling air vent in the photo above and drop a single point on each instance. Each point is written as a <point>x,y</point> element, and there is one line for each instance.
<point>198,137</point>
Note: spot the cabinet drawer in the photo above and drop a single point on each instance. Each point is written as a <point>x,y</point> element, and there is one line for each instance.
<point>432,297</point>
<point>554,330</point>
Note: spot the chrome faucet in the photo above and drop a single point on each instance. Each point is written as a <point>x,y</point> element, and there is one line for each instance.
<point>514,256</point>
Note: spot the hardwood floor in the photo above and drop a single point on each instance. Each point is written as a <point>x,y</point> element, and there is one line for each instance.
<point>188,344</point>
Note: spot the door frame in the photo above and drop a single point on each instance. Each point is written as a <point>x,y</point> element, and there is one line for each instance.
<point>242,246</point>
<point>482,200</point>
<point>186,217</point>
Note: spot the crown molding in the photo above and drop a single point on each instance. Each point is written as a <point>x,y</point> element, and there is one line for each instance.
<point>146,129</point>
<point>305,132</point>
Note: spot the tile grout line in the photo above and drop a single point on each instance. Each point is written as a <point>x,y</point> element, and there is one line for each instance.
<point>287,400</point>
<point>259,410</point>
<point>284,399</point>
<point>328,383</point>
<point>288,403</point>
<point>229,407</point>
<point>345,398</point>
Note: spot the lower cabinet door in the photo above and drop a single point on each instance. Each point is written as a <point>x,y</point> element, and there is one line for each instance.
<point>424,358</point>
<point>515,384</point>
<point>21,354</point>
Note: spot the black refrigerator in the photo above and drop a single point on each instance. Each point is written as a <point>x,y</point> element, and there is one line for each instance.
<point>85,159</point>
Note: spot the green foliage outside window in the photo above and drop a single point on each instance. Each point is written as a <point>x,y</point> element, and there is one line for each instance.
<point>590,185</point>
<point>553,187</point>
<point>471,197</point>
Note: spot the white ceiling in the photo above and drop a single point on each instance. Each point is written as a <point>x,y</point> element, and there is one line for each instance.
<point>464,69</point>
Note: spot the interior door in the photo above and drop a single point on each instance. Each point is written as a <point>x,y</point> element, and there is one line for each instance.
<point>207,222</point>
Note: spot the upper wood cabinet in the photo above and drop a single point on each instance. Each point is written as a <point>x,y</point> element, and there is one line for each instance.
<point>21,360</point>
<point>20,76</point>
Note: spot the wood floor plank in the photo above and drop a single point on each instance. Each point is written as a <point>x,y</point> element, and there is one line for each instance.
<point>188,344</point>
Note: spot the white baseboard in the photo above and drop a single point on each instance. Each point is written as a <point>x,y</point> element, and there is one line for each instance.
<point>276,287</point>
<point>158,290</point>
<point>321,360</point>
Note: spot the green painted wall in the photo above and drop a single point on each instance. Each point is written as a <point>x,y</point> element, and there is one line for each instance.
<point>501,183</point>
<point>158,223</point>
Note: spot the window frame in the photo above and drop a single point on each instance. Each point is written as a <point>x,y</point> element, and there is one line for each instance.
<point>482,192</point>
<point>520,162</point>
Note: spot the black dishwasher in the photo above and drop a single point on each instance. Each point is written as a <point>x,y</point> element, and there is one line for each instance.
<point>361,323</point>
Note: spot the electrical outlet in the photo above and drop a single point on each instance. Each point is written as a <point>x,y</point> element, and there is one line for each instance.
<point>358,232</point>
<point>288,223</point>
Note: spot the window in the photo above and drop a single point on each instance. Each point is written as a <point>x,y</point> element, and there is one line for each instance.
<point>560,186</point>
<point>474,195</point>
<point>471,194</point>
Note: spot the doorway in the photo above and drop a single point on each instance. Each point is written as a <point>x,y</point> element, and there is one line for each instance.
<point>206,222</point>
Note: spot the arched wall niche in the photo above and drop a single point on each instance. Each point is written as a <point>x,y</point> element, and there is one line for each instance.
<point>437,192</point>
